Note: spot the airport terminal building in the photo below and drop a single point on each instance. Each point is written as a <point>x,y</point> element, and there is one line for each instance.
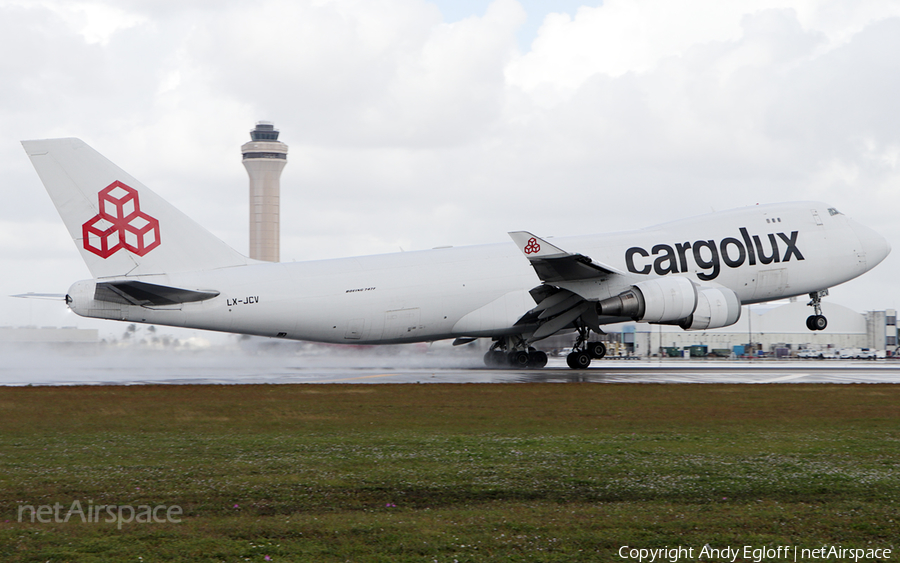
<point>770,330</point>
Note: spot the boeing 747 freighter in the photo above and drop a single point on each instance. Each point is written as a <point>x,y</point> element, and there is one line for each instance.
<point>152,264</point>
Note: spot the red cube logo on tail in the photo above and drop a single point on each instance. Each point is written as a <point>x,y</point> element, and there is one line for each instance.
<point>120,224</point>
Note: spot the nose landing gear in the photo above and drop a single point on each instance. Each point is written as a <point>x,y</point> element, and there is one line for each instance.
<point>817,321</point>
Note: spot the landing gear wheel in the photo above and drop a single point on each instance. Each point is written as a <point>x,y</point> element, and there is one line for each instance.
<point>819,322</point>
<point>596,350</point>
<point>537,359</point>
<point>518,359</point>
<point>816,322</point>
<point>578,360</point>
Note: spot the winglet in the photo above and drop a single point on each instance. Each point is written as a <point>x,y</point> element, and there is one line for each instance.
<point>534,246</point>
<point>553,264</point>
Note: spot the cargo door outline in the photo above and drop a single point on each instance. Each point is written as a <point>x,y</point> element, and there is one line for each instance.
<point>400,323</point>
<point>816,218</point>
<point>770,283</point>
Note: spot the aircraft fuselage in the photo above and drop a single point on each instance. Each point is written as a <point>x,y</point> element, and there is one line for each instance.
<point>761,253</point>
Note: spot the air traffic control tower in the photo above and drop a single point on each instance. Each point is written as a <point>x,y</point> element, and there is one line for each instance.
<point>264,159</point>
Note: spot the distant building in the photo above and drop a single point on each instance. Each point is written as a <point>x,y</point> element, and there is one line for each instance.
<point>781,327</point>
<point>881,329</point>
<point>264,158</point>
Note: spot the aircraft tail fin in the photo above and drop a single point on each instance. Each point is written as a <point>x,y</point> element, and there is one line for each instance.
<point>120,226</point>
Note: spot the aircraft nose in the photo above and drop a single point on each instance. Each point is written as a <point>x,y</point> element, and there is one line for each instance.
<point>873,244</point>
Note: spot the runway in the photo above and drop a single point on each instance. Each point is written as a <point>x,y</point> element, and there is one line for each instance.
<point>221,367</point>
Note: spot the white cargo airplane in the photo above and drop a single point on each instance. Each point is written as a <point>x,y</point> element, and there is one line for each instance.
<point>152,264</point>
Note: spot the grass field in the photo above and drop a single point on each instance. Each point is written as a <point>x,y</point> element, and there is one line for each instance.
<point>524,472</point>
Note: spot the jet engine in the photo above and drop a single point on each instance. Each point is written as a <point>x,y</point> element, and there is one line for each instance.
<point>654,301</point>
<point>716,307</point>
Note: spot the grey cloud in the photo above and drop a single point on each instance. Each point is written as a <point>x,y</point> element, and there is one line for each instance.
<point>403,130</point>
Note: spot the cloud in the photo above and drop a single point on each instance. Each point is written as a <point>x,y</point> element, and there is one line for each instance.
<point>409,131</point>
<point>622,36</point>
<point>362,73</point>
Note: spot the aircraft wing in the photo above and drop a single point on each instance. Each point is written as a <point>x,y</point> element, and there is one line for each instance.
<point>557,307</point>
<point>553,264</point>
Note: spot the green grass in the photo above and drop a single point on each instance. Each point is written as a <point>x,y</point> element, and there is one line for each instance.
<point>530,472</point>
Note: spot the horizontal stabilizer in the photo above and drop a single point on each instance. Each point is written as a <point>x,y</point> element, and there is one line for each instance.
<point>553,264</point>
<point>143,294</point>
<point>49,296</point>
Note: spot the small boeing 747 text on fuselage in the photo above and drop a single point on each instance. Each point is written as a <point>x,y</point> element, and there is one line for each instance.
<point>152,264</point>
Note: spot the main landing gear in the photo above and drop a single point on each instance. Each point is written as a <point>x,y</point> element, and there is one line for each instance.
<point>583,352</point>
<point>511,352</point>
<point>817,321</point>
<point>514,352</point>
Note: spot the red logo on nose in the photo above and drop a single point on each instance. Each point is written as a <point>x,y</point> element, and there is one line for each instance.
<point>120,224</point>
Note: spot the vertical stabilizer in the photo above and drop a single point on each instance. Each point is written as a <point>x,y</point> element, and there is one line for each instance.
<point>119,225</point>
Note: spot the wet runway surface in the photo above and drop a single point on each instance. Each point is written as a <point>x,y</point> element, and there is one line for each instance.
<point>621,372</point>
<point>237,368</point>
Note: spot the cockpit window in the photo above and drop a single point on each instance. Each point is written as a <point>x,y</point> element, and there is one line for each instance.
<point>832,211</point>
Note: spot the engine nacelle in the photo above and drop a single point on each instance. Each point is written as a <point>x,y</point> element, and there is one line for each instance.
<point>654,301</point>
<point>716,307</point>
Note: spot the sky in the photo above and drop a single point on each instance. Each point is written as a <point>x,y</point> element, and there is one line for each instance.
<point>415,123</point>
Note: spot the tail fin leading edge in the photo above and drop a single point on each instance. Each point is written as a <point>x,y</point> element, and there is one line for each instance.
<point>120,226</point>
